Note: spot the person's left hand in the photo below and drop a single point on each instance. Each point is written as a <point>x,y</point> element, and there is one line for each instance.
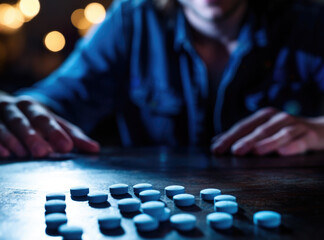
<point>269,130</point>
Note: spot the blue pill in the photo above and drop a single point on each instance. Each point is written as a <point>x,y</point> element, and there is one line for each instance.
<point>173,190</point>
<point>55,196</point>
<point>55,205</point>
<point>109,221</point>
<point>70,232</point>
<point>153,208</point>
<point>54,220</point>
<point>220,220</point>
<point>149,195</point>
<point>118,189</point>
<point>129,205</point>
<point>267,219</point>
<point>166,215</point>
<point>224,197</point>
<point>145,222</point>
<point>226,206</point>
<point>142,187</point>
<point>79,191</point>
<point>97,197</point>
<point>184,200</point>
<point>208,194</point>
<point>183,221</point>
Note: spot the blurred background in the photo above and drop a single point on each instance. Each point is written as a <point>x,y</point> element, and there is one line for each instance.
<point>35,38</point>
<point>37,35</point>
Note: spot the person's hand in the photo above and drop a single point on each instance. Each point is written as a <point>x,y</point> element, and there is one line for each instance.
<point>269,130</point>
<point>26,127</point>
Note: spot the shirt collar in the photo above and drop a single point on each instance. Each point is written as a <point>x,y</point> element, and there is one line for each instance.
<point>181,30</point>
<point>247,34</point>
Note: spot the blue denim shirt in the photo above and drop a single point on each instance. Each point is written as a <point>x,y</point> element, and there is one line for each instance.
<point>141,67</point>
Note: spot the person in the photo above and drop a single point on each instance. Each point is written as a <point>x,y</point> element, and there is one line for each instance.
<point>178,73</point>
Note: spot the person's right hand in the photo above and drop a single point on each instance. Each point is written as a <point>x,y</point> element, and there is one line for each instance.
<point>27,127</point>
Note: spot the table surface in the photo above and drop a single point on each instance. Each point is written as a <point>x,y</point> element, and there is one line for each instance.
<point>292,186</point>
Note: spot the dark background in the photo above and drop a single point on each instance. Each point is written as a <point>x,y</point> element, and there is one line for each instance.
<point>23,57</point>
<point>25,60</point>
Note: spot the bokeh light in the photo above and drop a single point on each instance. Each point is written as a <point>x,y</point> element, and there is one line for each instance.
<point>10,18</point>
<point>79,21</point>
<point>95,12</point>
<point>30,8</point>
<point>54,41</point>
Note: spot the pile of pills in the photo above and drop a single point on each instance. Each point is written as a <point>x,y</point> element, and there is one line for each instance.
<point>149,210</point>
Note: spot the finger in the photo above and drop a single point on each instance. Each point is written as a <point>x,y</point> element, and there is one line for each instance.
<point>80,140</point>
<point>265,130</point>
<point>41,119</point>
<point>278,140</point>
<point>11,142</point>
<point>20,126</point>
<point>215,138</point>
<point>4,153</point>
<point>241,129</point>
<point>298,146</point>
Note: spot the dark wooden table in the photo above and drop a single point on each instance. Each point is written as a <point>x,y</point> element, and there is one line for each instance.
<point>292,186</point>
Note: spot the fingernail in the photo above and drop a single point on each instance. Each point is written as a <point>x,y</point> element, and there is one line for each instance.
<point>260,150</point>
<point>5,153</point>
<point>218,147</point>
<point>239,149</point>
<point>95,147</point>
<point>21,152</point>
<point>38,150</point>
<point>50,149</point>
<point>64,145</point>
<point>283,151</point>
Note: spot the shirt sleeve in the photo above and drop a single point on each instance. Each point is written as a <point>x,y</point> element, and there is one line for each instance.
<point>84,89</point>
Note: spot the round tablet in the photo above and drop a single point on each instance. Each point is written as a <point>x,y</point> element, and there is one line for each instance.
<point>220,220</point>
<point>153,208</point>
<point>208,194</point>
<point>54,220</point>
<point>173,190</point>
<point>166,215</point>
<point>118,189</point>
<point>79,191</point>
<point>267,219</point>
<point>149,195</point>
<point>109,221</point>
<point>226,206</point>
<point>70,232</point>
<point>129,205</point>
<point>145,222</point>
<point>55,205</point>
<point>184,200</point>
<point>57,196</point>
<point>97,197</point>
<point>224,197</point>
<point>183,221</point>
<point>142,187</point>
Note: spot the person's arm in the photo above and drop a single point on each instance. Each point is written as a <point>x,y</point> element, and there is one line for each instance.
<point>82,90</point>
<point>270,130</point>
<point>273,131</point>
